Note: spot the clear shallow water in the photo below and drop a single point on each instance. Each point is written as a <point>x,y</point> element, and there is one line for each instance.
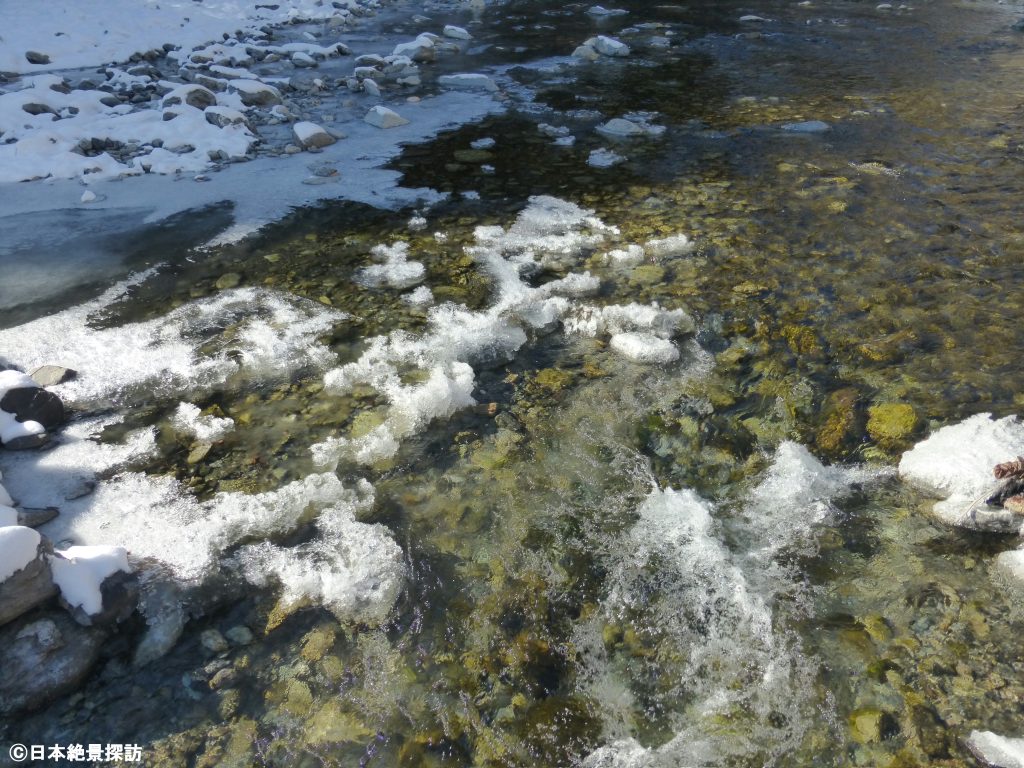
<point>558,603</point>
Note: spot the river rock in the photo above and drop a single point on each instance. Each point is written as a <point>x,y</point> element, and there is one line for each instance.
<point>34,404</point>
<point>34,517</point>
<point>43,659</point>
<point>52,375</point>
<point>30,585</point>
<point>35,57</point>
<point>608,46</point>
<point>161,603</point>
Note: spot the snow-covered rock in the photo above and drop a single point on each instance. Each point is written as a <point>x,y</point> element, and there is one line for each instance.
<point>382,117</point>
<point>674,245</point>
<point>604,158</point>
<point>25,578</point>
<point>84,576</point>
<point>312,136</point>
<point>456,33</point>
<point>608,46</point>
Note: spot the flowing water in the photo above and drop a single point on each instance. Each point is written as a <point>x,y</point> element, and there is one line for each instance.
<point>704,561</point>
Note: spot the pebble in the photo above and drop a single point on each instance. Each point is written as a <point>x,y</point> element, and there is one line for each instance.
<point>239,635</point>
<point>213,641</point>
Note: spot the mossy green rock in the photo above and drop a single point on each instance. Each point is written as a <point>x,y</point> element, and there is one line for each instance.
<point>891,423</point>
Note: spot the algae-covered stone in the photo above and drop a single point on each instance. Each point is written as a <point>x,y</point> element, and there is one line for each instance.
<point>228,281</point>
<point>891,423</point>
<point>839,429</point>
<point>553,379</point>
<point>332,724</point>
<point>317,643</point>
<point>871,725</point>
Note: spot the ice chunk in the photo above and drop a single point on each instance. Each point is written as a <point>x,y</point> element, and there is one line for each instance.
<point>604,158</point>
<point>996,751</point>
<point>456,33</point>
<point>396,271</point>
<point>18,548</point>
<point>956,462</point>
<point>189,420</point>
<point>468,82</point>
<point>674,245</point>
<point>79,572</point>
<point>644,348</point>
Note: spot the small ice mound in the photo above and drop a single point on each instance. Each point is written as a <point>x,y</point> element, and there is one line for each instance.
<point>996,751</point>
<point>624,753</point>
<point>79,572</point>
<point>955,464</point>
<point>626,257</point>
<point>604,158</point>
<point>396,271</point>
<point>353,569</point>
<point>18,547</point>
<point>644,348</point>
<point>795,494</point>
<point>245,332</point>
<point>419,297</point>
<point>674,245</point>
<point>189,420</point>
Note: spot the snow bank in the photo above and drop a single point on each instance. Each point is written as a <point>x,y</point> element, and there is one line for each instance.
<point>956,462</point>
<point>79,572</point>
<point>79,33</point>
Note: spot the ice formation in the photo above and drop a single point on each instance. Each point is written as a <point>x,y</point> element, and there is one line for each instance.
<point>187,350</point>
<point>995,750</point>
<point>395,270</point>
<point>956,462</point>
<point>549,234</point>
<point>351,568</point>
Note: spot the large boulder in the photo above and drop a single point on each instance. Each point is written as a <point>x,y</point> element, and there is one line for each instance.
<point>34,404</point>
<point>44,658</point>
<point>25,577</point>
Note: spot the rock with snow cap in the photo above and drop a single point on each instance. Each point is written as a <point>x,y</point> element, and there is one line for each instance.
<point>96,583</point>
<point>25,577</point>
<point>382,117</point>
<point>312,136</point>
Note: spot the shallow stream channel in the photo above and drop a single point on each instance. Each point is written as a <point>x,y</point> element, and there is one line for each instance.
<point>593,462</point>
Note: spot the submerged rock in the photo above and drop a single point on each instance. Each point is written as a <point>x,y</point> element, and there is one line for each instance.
<point>43,659</point>
<point>891,423</point>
